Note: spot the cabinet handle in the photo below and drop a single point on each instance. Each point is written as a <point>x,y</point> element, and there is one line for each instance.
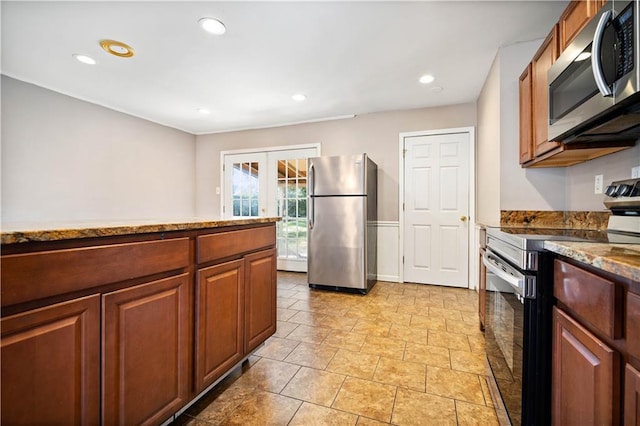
<point>596,64</point>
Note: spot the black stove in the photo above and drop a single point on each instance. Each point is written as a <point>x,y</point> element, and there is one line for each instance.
<point>519,300</point>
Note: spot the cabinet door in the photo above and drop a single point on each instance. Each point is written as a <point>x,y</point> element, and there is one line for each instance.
<point>575,17</point>
<point>51,364</point>
<point>526,125</point>
<point>260,298</point>
<point>482,290</point>
<point>542,61</point>
<point>585,384</point>
<point>219,321</point>
<point>631,397</point>
<point>145,352</point>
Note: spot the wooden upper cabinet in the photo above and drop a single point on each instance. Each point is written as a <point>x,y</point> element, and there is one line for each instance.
<point>575,18</point>
<point>526,128</point>
<point>542,61</point>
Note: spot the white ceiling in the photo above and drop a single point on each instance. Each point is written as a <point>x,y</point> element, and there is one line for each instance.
<point>346,57</point>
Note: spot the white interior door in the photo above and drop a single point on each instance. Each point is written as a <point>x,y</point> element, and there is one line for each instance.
<point>436,205</point>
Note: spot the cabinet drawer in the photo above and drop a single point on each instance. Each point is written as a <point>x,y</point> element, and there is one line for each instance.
<point>591,297</point>
<point>225,244</point>
<point>633,324</point>
<point>34,276</point>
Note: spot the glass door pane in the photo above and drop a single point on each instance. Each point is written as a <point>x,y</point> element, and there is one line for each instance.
<point>291,200</point>
<point>245,189</point>
<point>245,185</point>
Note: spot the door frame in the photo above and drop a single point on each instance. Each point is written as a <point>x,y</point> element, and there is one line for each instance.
<point>472,270</point>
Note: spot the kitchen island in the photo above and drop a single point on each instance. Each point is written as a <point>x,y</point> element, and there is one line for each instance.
<point>127,323</point>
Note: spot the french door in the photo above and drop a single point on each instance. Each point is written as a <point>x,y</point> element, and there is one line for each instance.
<point>272,183</point>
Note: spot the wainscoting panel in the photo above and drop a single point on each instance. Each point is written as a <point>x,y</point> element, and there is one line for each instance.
<point>388,262</point>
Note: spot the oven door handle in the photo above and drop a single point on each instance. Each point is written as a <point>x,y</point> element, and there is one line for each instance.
<point>515,282</point>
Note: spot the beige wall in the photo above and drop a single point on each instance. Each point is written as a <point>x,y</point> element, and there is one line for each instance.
<point>580,178</point>
<point>376,134</point>
<point>501,183</point>
<point>488,149</point>
<point>64,159</point>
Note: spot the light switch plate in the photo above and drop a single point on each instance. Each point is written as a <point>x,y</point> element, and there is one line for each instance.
<point>635,172</point>
<point>597,188</point>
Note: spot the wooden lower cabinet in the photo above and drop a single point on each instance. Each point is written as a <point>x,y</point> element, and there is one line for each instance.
<point>631,396</point>
<point>145,351</point>
<point>128,330</point>
<point>51,365</point>
<point>260,297</point>
<point>585,376</point>
<point>219,321</point>
<point>482,290</point>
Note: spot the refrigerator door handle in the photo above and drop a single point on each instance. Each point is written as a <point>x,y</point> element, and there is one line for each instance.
<point>311,201</point>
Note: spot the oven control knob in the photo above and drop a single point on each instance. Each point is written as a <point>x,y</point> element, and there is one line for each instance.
<point>610,190</point>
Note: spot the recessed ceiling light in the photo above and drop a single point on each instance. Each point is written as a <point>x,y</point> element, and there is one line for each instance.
<point>212,26</point>
<point>581,57</point>
<point>426,79</point>
<point>84,59</point>
<point>204,111</point>
<point>298,97</point>
<point>117,48</point>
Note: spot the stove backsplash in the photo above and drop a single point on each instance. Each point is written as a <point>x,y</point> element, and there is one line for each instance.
<point>554,219</point>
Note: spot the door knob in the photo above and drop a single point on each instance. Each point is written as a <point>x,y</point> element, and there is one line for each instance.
<point>463,218</point>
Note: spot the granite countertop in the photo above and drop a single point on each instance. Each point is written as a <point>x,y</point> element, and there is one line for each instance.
<point>12,233</point>
<point>619,259</point>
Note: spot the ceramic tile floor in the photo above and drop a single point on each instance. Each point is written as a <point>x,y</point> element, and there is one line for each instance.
<point>404,354</point>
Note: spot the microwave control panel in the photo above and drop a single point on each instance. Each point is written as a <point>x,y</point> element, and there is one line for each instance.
<point>623,25</point>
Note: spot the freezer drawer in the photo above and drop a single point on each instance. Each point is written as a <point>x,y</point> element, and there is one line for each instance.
<point>337,242</point>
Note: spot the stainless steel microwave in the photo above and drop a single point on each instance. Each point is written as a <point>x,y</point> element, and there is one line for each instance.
<point>593,86</point>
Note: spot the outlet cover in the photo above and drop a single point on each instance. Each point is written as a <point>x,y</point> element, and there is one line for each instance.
<point>635,172</point>
<point>597,188</point>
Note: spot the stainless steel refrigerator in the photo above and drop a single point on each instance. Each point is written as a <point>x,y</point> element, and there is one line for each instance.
<point>342,238</point>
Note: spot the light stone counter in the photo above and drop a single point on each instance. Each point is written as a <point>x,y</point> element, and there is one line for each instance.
<point>12,233</point>
<point>619,259</point>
